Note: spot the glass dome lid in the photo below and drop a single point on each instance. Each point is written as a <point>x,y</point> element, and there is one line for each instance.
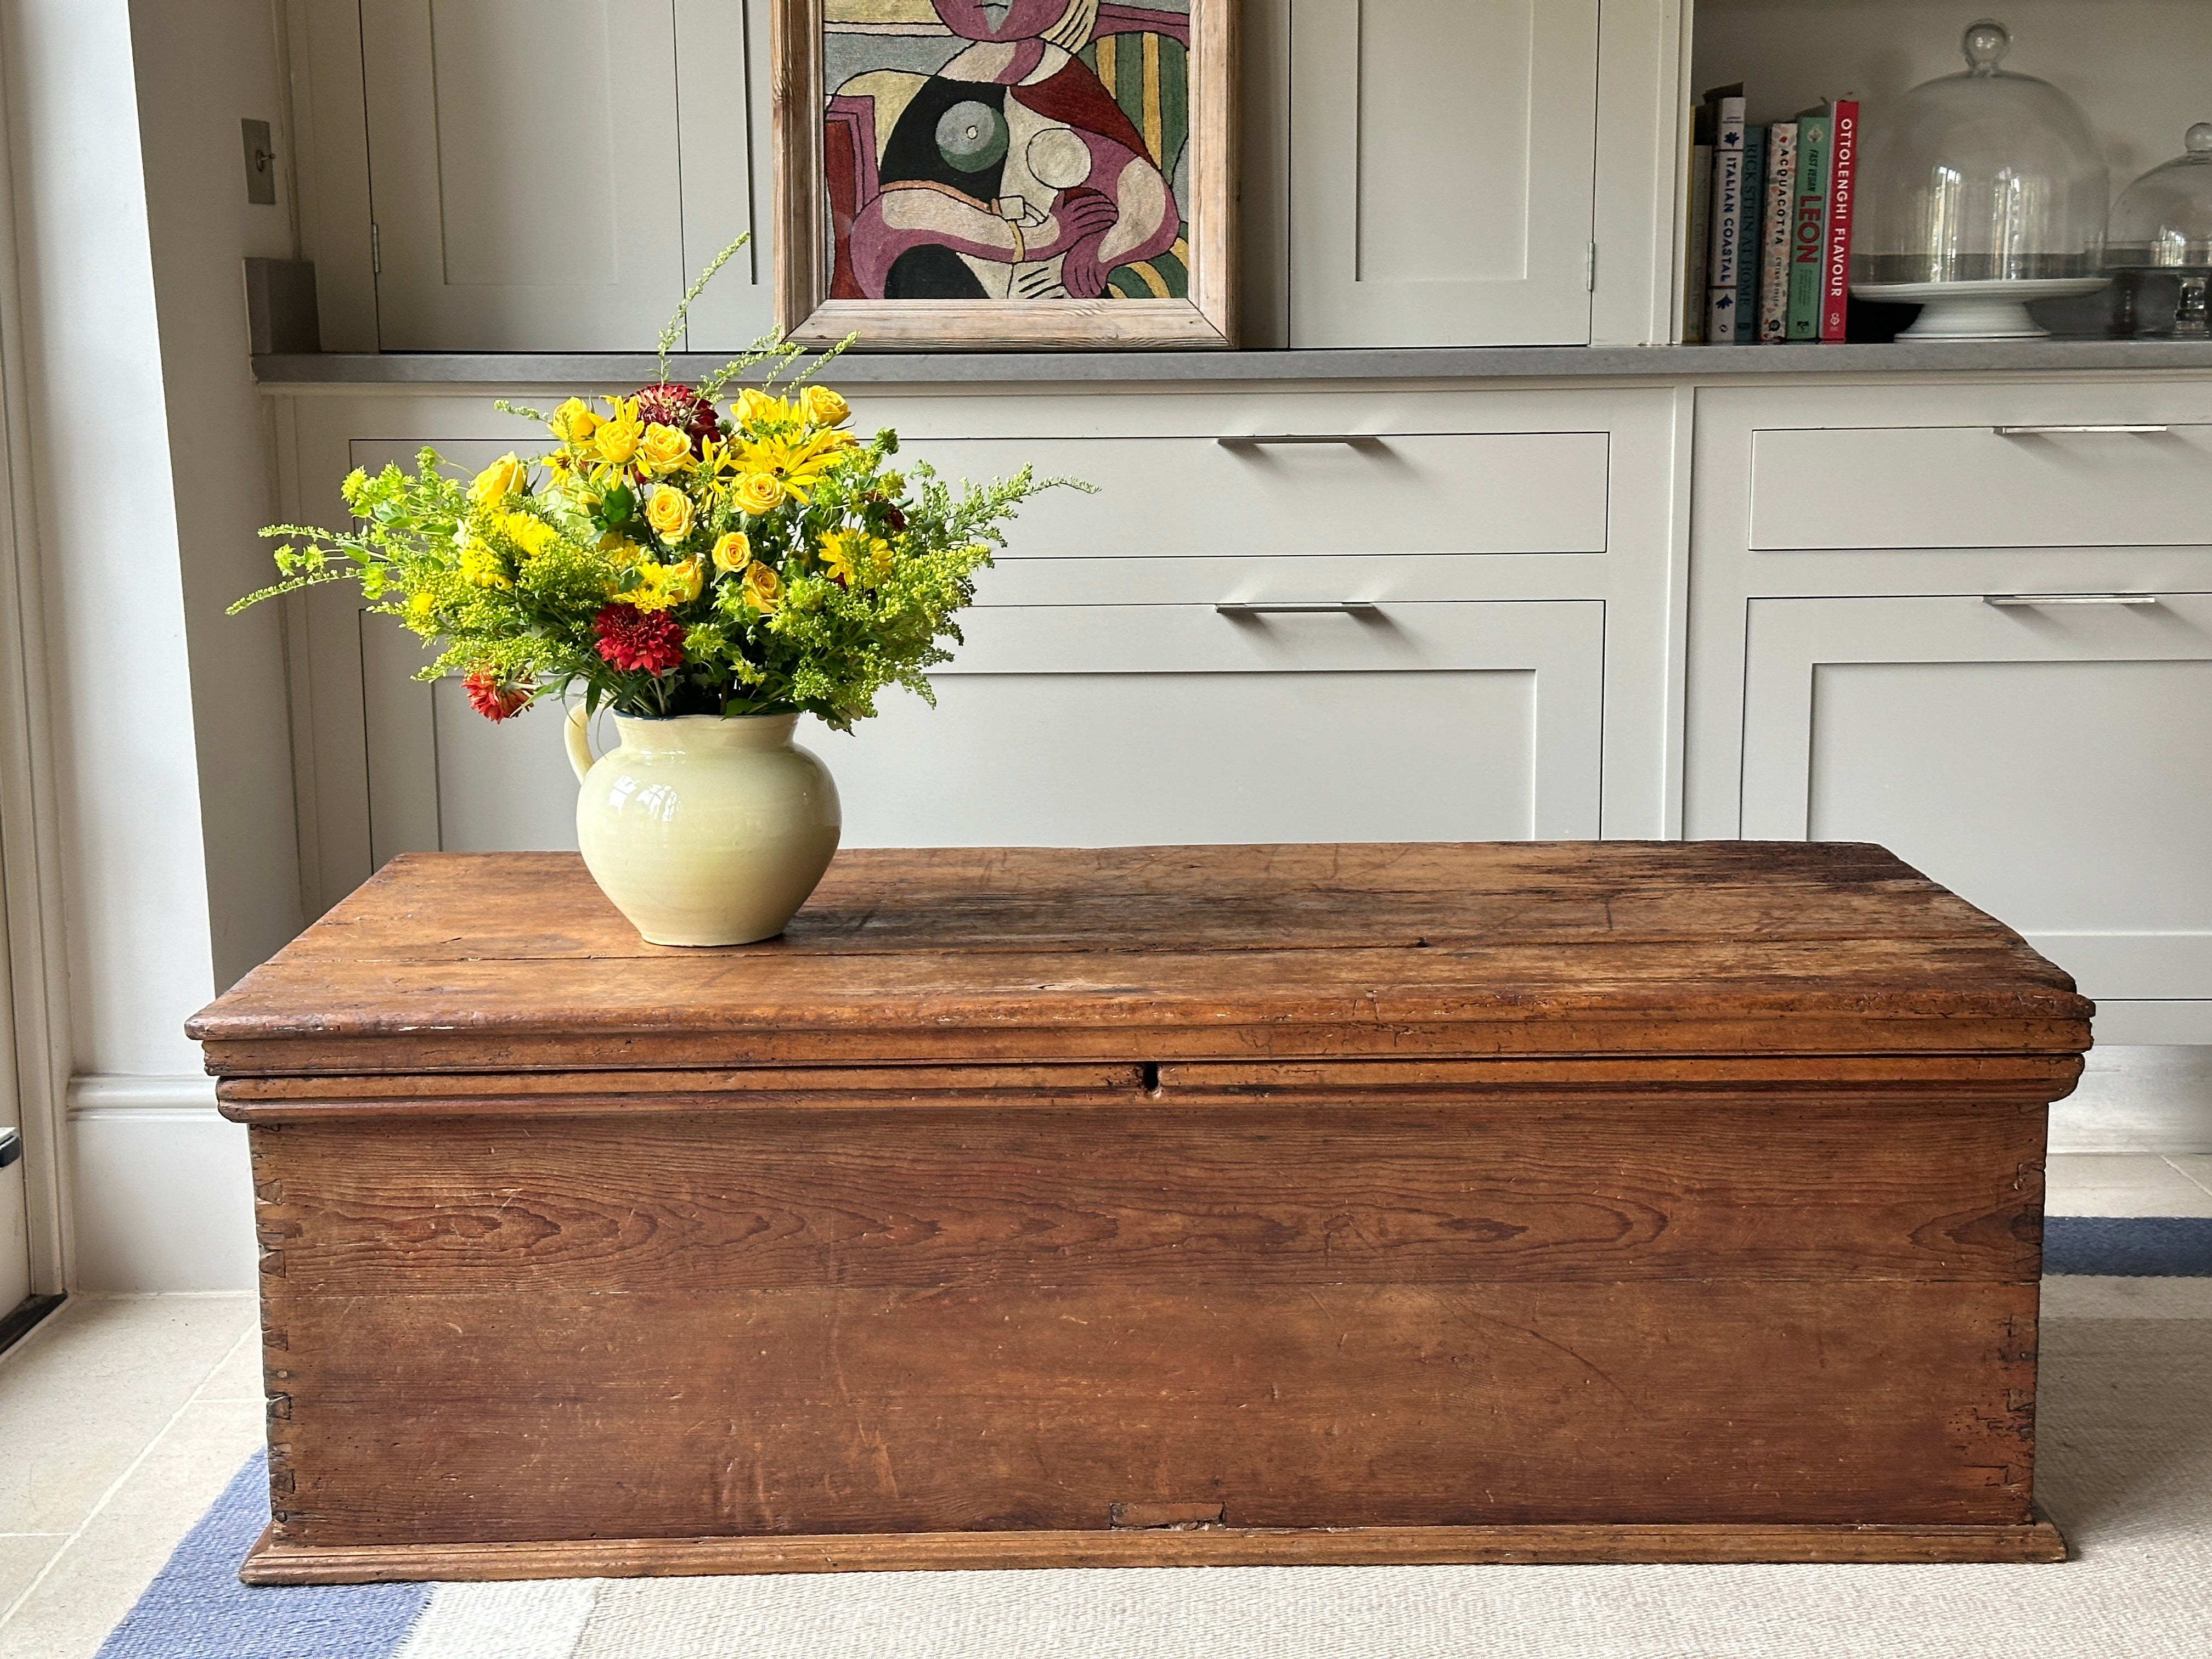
<point>2163,222</point>
<point>1980,177</point>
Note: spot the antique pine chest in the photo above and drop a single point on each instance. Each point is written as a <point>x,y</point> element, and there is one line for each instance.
<point>1623,1201</point>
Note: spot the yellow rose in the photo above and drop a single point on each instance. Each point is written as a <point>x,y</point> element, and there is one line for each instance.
<point>668,510</point>
<point>825,407</point>
<point>758,492</point>
<point>665,449</point>
<point>574,423</point>
<point>503,477</point>
<point>733,552</point>
<point>763,591</point>
<point>616,439</point>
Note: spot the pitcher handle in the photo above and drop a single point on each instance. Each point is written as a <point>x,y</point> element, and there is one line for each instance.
<point>578,731</point>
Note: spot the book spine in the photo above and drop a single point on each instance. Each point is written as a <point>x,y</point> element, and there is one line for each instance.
<point>1752,237</point>
<point>1808,232</point>
<point>1728,222</point>
<point>1843,186</point>
<point>1774,240</point>
<point>1694,298</point>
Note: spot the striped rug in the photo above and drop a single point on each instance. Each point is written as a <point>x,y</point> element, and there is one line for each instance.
<point>2125,1469</point>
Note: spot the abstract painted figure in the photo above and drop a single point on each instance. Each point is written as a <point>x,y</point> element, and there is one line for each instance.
<point>1006,150</point>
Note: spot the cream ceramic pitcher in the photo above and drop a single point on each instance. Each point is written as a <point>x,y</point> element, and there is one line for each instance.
<point>702,830</point>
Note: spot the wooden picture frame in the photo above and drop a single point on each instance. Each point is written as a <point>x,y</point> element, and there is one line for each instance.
<point>821,298</point>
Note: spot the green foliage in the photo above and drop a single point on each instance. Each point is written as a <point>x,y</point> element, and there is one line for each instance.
<point>850,576</point>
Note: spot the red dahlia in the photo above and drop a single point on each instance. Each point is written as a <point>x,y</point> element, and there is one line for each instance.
<point>631,638</point>
<point>493,698</point>
<point>673,404</point>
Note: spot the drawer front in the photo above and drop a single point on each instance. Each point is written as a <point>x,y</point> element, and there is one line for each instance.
<point>1431,492</point>
<point>2046,485</point>
<point>1193,496</point>
<point>1106,726</point>
<point>2043,762</point>
<point>1141,724</point>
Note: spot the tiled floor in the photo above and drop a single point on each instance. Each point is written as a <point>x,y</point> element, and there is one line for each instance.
<point>121,1417</point>
<point>2129,1184</point>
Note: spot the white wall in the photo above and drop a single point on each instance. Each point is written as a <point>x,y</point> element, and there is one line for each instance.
<point>203,67</point>
<point>172,749</point>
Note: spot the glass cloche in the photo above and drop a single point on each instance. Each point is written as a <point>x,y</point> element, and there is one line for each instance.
<point>2163,224</point>
<point>1979,193</point>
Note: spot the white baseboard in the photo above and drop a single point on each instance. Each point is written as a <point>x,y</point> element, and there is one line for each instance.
<point>164,1195</point>
<point>2138,1098</point>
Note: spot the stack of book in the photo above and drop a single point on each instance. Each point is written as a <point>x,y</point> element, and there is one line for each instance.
<point>1769,224</point>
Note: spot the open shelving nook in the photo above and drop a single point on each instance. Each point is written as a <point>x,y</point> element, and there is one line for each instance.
<point>2136,68</point>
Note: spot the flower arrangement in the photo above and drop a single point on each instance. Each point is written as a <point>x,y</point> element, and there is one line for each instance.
<point>670,558</point>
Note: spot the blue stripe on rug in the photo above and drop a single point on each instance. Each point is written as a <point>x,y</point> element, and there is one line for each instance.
<point>2148,1247</point>
<point>196,1609</point>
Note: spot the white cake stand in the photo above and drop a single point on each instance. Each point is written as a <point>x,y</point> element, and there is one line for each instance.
<point>1978,311</point>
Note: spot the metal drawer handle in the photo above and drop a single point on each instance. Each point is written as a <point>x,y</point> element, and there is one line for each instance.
<point>1243,439</point>
<point>2045,431</point>
<point>1337,608</point>
<point>2011,600</point>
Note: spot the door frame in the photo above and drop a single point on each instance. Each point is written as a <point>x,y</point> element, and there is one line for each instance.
<point>34,1034</point>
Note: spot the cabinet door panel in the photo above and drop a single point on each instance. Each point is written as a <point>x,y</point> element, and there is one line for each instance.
<point>2044,763</point>
<point>1442,155</point>
<point>1132,724</point>
<point>523,173</point>
<point>1128,725</point>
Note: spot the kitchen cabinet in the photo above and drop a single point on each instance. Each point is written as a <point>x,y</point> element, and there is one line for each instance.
<point>1969,621</point>
<point>1442,163</point>
<point>1105,725</point>
<point>1478,651</point>
<point>549,174</point>
<point>2041,756</point>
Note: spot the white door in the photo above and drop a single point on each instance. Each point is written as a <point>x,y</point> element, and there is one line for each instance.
<point>548,174</point>
<point>2045,762</point>
<point>1442,165</point>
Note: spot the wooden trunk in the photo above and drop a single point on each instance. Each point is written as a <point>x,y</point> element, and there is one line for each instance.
<point>1214,1205</point>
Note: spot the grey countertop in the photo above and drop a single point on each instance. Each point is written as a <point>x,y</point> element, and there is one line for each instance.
<point>1139,368</point>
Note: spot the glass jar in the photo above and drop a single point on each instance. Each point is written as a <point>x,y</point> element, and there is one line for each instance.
<point>2162,224</point>
<point>1979,192</point>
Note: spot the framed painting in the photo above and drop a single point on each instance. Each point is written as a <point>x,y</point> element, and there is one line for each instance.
<point>985,174</point>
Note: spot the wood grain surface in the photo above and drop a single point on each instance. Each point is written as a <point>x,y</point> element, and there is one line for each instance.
<point>511,962</point>
<point>1569,1202</point>
<point>1443,1195</point>
<point>271,1562</point>
<point>518,1417</point>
